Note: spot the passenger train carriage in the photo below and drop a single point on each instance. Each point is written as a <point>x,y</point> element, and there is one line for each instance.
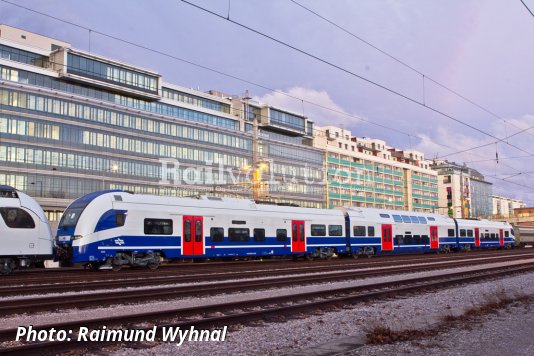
<point>25,234</point>
<point>115,228</point>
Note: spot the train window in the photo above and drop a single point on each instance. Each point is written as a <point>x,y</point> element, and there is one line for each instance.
<point>259,234</point>
<point>281,235</point>
<point>406,219</point>
<point>415,220</point>
<point>416,239</point>
<point>463,233</point>
<point>450,232</point>
<point>506,234</point>
<point>399,239</point>
<point>161,227</point>
<point>359,230</point>
<point>397,218</point>
<point>120,218</point>
<point>16,218</point>
<point>295,237</point>
<point>487,235</point>
<point>425,240</point>
<point>470,233</point>
<point>318,230</point>
<point>217,234</point>
<point>238,234</point>
<point>408,239</point>
<point>370,231</point>
<point>493,236</point>
<point>430,219</point>
<point>385,216</point>
<point>198,231</point>
<point>8,194</point>
<point>187,231</point>
<point>335,230</point>
<point>422,220</point>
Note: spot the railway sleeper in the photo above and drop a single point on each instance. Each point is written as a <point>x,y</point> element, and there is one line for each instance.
<point>133,259</point>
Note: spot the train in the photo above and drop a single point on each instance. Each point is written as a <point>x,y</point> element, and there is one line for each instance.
<point>25,234</point>
<point>525,234</point>
<point>115,228</point>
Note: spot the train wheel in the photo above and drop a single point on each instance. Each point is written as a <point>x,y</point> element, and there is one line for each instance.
<point>153,265</point>
<point>116,267</point>
<point>309,257</point>
<point>7,266</point>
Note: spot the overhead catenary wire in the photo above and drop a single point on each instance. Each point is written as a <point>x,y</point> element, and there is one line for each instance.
<point>423,75</point>
<point>347,71</point>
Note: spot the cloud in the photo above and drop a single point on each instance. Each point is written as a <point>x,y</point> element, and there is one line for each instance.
<point>317,105</point>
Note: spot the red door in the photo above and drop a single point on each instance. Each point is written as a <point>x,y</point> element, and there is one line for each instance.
<point>298,237</point>
<point>477,237</point>
<point>387,243</point>
<point>434,239</point>
<point>501,237</point>
<point>193,236</point>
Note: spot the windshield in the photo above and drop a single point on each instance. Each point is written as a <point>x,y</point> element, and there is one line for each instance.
<point>72,214</point>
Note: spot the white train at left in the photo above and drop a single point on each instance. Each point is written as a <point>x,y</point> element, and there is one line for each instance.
<point>25,234</point>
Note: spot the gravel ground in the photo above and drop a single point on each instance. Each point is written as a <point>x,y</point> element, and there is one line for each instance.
<point>343,332</point>
<point>77,314</point>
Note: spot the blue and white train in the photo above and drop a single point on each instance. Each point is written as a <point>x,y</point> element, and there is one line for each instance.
<point>25,234</point>
<point>114,228</point>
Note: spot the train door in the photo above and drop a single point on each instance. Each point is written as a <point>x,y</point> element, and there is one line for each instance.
<point>193,236</point>
<point>477,237</point>
<point>434,239</point>
<point>501,237</point>
<point>387,242</point>
<point>298,237</point>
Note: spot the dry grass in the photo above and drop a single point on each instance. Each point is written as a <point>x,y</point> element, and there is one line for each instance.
<point>379,332</point>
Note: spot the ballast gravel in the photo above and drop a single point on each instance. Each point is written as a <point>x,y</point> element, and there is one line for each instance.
<point>343,332</point>
<point>83,314</point>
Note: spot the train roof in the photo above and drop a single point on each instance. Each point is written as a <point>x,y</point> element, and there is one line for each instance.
<point>224,203</point>
<point>387,214</point>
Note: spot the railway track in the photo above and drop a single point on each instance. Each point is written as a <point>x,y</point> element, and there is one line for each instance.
<point>84,280</point>
<point>267,308</point>
<point>79,274</point>
<point>80,301</point>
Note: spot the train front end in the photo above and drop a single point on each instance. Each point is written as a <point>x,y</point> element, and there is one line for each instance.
<point>76,229</point>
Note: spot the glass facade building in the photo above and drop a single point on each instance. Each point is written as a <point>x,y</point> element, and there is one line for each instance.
<point>366,173</point>
<point>63,137</point>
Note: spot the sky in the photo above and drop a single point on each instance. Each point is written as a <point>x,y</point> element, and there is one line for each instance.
<point>480,49</point>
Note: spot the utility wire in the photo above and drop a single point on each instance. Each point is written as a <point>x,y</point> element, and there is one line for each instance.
<point>424,76</point>
<point>333,65</point>
<point>217,71</point>
<point>527,7</point>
